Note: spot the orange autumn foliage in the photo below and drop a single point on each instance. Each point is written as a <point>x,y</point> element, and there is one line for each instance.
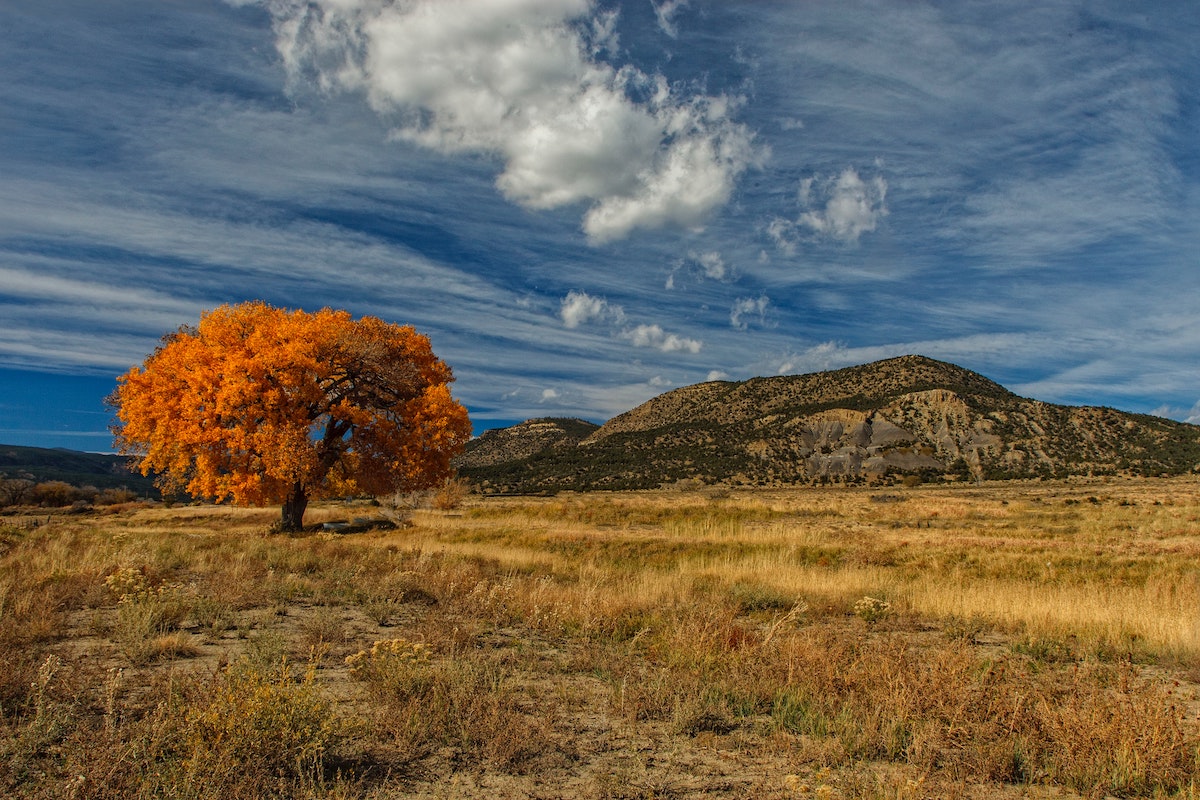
<point>258,404</point>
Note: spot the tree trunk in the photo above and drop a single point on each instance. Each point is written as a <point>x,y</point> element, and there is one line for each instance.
<point>293,509</point>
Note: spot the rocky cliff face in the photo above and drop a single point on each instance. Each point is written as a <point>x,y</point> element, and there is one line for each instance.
<point>880,421</point>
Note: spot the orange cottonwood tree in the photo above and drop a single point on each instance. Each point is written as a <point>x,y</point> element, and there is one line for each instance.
<point>258,404</point>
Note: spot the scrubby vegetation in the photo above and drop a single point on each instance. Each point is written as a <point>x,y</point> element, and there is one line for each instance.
<point>1034,640</point>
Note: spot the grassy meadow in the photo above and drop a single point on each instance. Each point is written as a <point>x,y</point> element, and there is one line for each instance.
<point>1011,640</point>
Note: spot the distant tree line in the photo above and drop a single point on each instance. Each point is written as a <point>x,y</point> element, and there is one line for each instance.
<point>23,491</point>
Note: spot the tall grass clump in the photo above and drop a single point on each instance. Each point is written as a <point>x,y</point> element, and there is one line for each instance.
<point>147,616</point>
<point>42,723</point>
<point>243,732</point>
<point>430,702</point>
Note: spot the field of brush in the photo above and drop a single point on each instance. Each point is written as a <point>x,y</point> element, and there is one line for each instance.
<point>1003,641</point>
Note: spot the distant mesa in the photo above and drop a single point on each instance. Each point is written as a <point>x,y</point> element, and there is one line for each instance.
<point>908,418</point>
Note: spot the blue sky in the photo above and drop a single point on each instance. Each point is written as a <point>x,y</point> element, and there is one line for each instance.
<point>585,204</point>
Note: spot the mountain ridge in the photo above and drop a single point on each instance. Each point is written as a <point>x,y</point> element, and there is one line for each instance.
<point>76,467</point>
<point>877,422</point>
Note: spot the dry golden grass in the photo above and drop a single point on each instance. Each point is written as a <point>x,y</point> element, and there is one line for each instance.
<point>1020,640</point>
<point>1107,564</point>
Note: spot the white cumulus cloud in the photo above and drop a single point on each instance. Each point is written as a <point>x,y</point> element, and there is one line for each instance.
<point>748,306</point>
<point>523,80</point>
<point>665,11</point>
<point>842,208</point>
<point>782,232</point>
<point>851,208</point>
<point>654,336</point>
<point>707,264</point>
<point>712,264</point>
<point>580,307</point>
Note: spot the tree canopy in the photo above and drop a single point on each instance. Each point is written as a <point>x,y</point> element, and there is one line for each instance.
<point>258,404</point>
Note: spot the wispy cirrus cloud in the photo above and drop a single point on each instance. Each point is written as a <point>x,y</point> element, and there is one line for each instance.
<point>1012,134</point>
<point>1005,185</point>
<point>526,82</point>
<point>1188,415</point>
